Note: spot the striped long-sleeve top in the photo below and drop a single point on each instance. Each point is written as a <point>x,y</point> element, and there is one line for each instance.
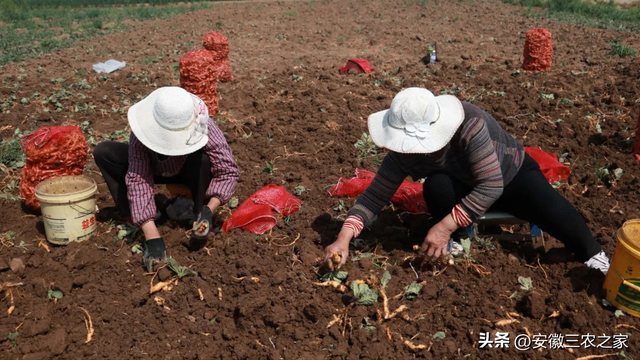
<point>144,164</point>
<point>480,154</point>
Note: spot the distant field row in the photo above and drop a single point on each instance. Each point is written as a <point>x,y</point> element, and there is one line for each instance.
<point>37,4</point>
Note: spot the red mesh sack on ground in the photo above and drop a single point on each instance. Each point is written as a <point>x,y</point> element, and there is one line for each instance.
<point>409,195</point>
<point>538,50</point>
<point>552,169</point>
<point>51,152</point>
<point>256,213</point>
<point>636,144</point>
<point>218,46</point>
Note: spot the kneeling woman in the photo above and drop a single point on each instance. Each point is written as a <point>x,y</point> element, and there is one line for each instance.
<point>173,141</point>
<point>471,165</point>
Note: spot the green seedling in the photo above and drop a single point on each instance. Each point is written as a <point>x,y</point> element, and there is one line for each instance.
<point>618,314</point>
<point>466,247</point>
<point>439,336</point>
<point>11,154</point>
<point>366,147</point>
<point>233,202</point>
<point>340,206</point>
<point>179,270</point>
<point>137,249</point>
<point>269,169</point>
<point>621,50</point>
<point>386,277</point>
<point>412,291</point>
<point>54,295</point>
<point>12,337</point>
<point>299,190</point>
<point>363,294</point>
<point>127,232</point>
<point>296,77</point>
<point>547,96</point>
<point>525,283</point>
<point>338,276</point>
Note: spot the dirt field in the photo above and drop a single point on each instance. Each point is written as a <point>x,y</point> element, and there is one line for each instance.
<point>283,316</point>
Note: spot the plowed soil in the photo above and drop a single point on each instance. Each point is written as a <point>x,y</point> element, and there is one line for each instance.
<point>288,105</point>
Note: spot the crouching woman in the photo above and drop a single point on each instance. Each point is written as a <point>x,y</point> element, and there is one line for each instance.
<point>172,141</point>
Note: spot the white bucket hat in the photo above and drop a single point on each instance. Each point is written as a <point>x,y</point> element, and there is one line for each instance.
<point>417,122</point>
<point>170,121</point>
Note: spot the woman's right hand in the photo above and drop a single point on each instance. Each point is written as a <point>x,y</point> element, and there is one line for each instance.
<point>336,254</point>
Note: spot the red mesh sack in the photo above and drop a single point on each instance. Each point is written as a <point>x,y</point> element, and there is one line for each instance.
<point>51,152</point>
<point>409,195</point>
<point>215,41</point>
<point>255,214</point>
<point>218,46</point>
<point>538,50</point>
<point>552,169</point>
<point>636,144</point>
<point>197,76</point>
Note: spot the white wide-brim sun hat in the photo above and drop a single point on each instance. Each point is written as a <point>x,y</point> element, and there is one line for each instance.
<point>417,122</point>
<point>170,121</point>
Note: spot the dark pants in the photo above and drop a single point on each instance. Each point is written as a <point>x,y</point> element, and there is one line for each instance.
<point>529,197</point>
<point>113,160</point>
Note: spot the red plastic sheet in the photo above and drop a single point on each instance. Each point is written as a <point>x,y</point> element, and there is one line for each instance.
<point>538,50</point>
<point>201,70</point>
<point>552,169</point>
<point>636,144</point>
<point>51,152</point>
<point>409,195</point>
<point>256,213</point>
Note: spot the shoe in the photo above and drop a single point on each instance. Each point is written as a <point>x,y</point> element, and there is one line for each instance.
<point>599,261</point>
<point>455,248</point>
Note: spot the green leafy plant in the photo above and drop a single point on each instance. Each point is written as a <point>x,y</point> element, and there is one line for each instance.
<point>299,190</point>
<point>386,277</point>
<point>11,154</point>
<point>296,77</point>
<point>179,270</point>
<point>363,294</point>
<point>366,147</point>
<point>137,249</point>
<point>412,291</point>
<point>269,169</point>
<point>619,49</point>
<point>439,336</point>
<point>54,294</point>
<point>127,232</point>
<point>547,96</point>
<point>340,206</point>
<point>12,337</point>
<point>338,276</point>
<point>618,314</point>
<point>233,202</point>
<point>525,283</point>
<point>466,247</point>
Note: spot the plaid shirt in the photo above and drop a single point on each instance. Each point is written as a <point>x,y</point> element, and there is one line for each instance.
<point>144,165</point>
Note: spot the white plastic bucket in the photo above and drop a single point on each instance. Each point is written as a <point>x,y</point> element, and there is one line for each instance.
<point>68,208</point>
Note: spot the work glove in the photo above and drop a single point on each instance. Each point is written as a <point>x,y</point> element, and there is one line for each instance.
<point>154,252</point>
<point>201,229</point>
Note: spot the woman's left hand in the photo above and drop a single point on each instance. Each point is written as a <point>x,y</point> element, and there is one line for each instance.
<point>437,240</point>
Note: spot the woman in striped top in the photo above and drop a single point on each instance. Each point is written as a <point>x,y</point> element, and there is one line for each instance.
<point>471,165</point>
<point>173,141</point>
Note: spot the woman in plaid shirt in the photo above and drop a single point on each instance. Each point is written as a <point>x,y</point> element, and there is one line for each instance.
<point>173,141</point>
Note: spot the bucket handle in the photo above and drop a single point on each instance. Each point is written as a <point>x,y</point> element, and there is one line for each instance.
<point>625,282</point>
<point>84,211</point>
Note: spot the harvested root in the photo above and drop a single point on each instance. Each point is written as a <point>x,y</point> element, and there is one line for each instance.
<point>589,357</point>
<point>334,284</point>
<point>414,347</point>
<point>397,311</point>
<point>11,309</point>
<point>43,245</point>
<point>336,258</point>
<point>505,322</point>
<point>89,324</point>
<point>201,295</point>
<point>416,247</point>
<point>627,326</point>
<point>162,286</point>
<point>554,314</point>
<point>160,302</point>
<point>261,344</point>
<point>6,285</point>
<point>255,279</point>
<point>220,294</point>
<point>201,227</point>
<point>336,320</point>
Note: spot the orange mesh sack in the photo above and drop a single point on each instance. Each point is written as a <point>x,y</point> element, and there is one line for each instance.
<point>218,45</point>
<point>538,50</point>
<point>51,152</point>
<point>197,76</point>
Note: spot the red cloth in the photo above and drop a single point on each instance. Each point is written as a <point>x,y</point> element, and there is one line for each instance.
<point>552,169</point>
<point>538,50</point>
<point>255,214</point>
<point>51,152</point>
<point>409,195</point>
<point>636,144</point>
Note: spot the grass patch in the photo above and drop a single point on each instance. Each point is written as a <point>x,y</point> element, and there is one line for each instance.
<point>623,51</point>
<point>606,15</point>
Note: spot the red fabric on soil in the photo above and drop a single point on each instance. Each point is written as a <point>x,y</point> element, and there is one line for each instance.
<point>636,144</point>
<point>409,195</point>
<point>255,213</point>
<point>552,169</point>
<point>51,152</point>
<point>201,70</point>
<point>538,50</point>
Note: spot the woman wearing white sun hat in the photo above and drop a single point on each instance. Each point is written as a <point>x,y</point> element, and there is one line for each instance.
<point>471,165</point>
<point>173,141</point>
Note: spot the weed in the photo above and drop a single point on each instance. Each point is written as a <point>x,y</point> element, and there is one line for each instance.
<point>11,154</point>
<point>454,89</point>
<point>179,270</point>
<point>340,206</point>
<point>338,276</point>
<point>386,277</point>
<point>499,93</point>
<point>366,147</point>
<point>137,249</point>
<point>525,283</point>
<point>54,295</point>
<point>363,294</point>
<point>234,202</point>
<point>269,169</point>
<point>12,337</point>
<point>622,51</point>
<point>128,232</point>
<point>565,101</point>
<point>299,190</point>
<point>547,96</point>
<point>296,77</point>
<point>439,336</point>
<point>412,291</point>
